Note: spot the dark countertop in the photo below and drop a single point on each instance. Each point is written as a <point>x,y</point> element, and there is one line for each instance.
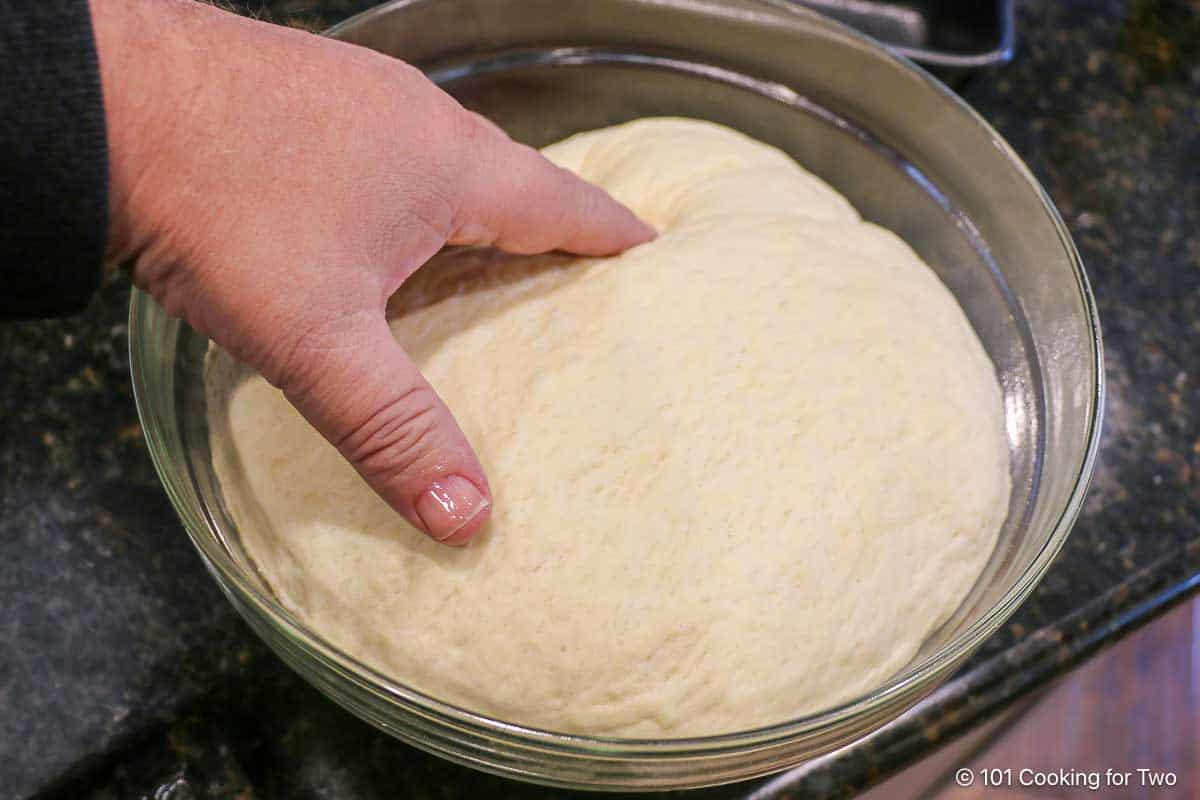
<point>123,669</point>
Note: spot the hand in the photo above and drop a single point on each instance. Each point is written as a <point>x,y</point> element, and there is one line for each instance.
<point>274,188</point>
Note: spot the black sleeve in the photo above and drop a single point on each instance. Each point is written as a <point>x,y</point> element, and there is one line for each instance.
<point>53,159</point>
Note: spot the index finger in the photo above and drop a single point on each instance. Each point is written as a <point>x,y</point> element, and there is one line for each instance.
<point>510,196</point>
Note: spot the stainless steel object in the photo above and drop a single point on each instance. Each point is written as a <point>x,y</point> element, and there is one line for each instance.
<point>939,34</point>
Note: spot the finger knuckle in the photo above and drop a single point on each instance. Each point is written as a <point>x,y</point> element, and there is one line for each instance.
<point>461,138</point>
<point>470,128</point>
<point>398,435</point>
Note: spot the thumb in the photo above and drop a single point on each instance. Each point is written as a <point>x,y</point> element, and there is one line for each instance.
<point>362,392</point>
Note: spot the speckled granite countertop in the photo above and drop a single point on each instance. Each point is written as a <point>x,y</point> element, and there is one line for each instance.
<point>124,671</point>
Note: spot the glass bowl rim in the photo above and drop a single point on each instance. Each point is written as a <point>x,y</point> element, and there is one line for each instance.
<point>207,539</point>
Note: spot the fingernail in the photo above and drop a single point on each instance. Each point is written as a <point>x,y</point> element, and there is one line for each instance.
<point>448,505</point>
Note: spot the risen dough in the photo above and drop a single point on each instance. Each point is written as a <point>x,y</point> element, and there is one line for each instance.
<point>740,473</point>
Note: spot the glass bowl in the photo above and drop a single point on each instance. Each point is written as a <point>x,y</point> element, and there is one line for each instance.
<point>899,145</point>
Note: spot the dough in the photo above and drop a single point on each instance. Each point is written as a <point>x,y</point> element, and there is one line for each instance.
<point>740,473</point>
